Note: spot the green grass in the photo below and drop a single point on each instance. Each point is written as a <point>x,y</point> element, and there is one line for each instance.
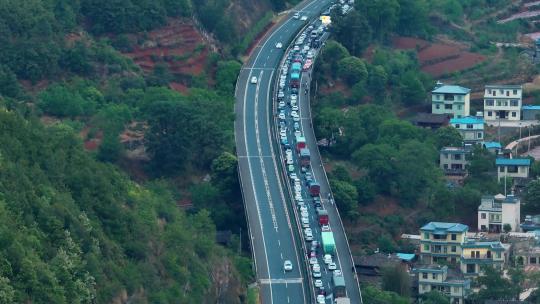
<point>253,295</point>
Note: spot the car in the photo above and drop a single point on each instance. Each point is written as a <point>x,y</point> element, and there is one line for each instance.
<point>292,175</point>
<point>327,259</point>
<point>254,79</point>
<point>313,260</point>
<point>283,132</point>
<point>290,161</point>
<point>295,108</point>
<point>325,228</point>
<point>281,116</point>
<point>305,223</point>
<point>308,230</point>
<point>316,267</point>
<point>315,243</point>
<point>303,18</point>
<point>296,126</point>
<point>318,283</point>
<point>297,188</point>
<point>321,299</point>
<point>297,133</point>
<point>294,113</point>
<point>281,94</point>
<point>291,168</point>
<point>296,118</point>
<point>309,238</point>
<point>332,266</point>
<point>279,45</point>
<point>294,97</point>
<point>304,214</point>
<point>312,254</point>
<point>281,104</point>
<point>287,265</point>
<point>317,275</point>
<point>303,209</point>
<point>338,272</point>
<point>300,201</point>
<point>296,15</point>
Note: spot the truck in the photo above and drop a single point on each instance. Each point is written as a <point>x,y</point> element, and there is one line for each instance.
<point>295,80</point>
<point>322,214</point>
<point>314,188</point>
<point>342,301</point>
<point>300,143</point>
<point>328,244</point>
<point>305,157</point>
<point>340,291</point>
<point>296,67</point>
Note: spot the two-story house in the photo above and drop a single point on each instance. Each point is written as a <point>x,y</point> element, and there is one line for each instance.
<point>441,242</point>
<point>496,211</point>
<point>454,160</point>
<point>502,102</point>
<point>444,280</point>
<point>471,128</point>
<point>450,99</point>
<point>476,255</point>
<point>512,167</point>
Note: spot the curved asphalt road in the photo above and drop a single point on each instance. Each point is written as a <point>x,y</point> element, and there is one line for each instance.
<point>273,237</point>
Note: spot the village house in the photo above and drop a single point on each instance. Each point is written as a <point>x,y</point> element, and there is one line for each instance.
<point>471,128</point>
<point>450,99</point>
<point>502,102</point>
<point>496,211</point>
<point>512,167</point>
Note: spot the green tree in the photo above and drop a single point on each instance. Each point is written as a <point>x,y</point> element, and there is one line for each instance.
<point>532,197</point>
<point>447,137</point>
<point>352,31</point>
<point>377,81</point>
<point>413,17</point>
<point>352,70</point>
<point>434,297</point>
<point>226,74</point>
<point>383,15</point>
<point>397,280</point>
<point>373,295</point>
<point>366,190</point>
<point>379,160</point>
<point>9,85</point>
<point>494,286</point>
<point>345,196</point>
<point>333,52</point>
<point>412,89</point>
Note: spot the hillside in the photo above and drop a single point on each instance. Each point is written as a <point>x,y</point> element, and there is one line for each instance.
<point>107,135</point>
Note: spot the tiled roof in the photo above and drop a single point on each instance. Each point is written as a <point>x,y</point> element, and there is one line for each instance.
<point>496,246</point>
<point>467,120</point>
<point>445,227</point>
<point>513,162</point>
<point>451,89</point>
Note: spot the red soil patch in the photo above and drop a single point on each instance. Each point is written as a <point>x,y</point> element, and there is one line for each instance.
<point>179,87</point>
<point>259,37</point>
<point>382,206</point>
<point>179,44</point>
<point>439,58</point>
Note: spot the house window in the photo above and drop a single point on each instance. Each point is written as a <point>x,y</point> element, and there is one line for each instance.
<point>448,107</point>
<point>459,107</point>
<point>456,289</point>
<point>533,260</point>
<point>457,156</point>
<point>437,107</point>
<point>494,93</point>
<point>426,247</point>
<point>479,134</point>
<point>489,102</point>
<point>426,235</point>
<point>454,237</point>
<point>501,169</point>
<point>445,166</point>
<point>453,249</point>
<point>514,92</point>
<point>507,93</point>
<point>457,126</point>
<point>514,103</point>
<point>472,254</point>
<point>424,275</point>
<point>453,260</point>
<point>489,113</point>
<point>514,114</point>
<point>449,97</point>
<point>498,255</point>
<point>488,254</point>
<point>483,216</point>
<point>469,126</point>
<point>501,91</point>
<point>512,169</point>
<point>434,276</point>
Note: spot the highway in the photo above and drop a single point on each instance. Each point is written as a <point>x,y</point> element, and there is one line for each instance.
<point>274,233</point>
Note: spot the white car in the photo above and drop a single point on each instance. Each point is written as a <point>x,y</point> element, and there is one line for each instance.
<point>254,79</point>
<point>281,116</point>
<point>303,209</point>
<point>294,114</point>
<point>313,260</point>
<point>291,168</point>
<point>292,175</point>
<point>304,214</point>
<point>281,104</point>
<point>317,275</point>
<point>297,133</point>
<point>320,299</point>
<point>316,267</point>
<point>303,18</point>
<point>296,118</point>
<point>332,266</point>
<point>287,265</point>
<point>295,108</point>
<point>282,132</point>
<point>309,238</point>
<point>337,272</point>
<point>318,283</point>
<point>297,188</point>
<point>305,222</point>
<point>327,259</point>
<point>279,45</point>
<point>290,161</point>
<point>296,15</point>
<point>325,228</point>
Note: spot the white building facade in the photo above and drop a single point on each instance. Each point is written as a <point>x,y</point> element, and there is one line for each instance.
<point>502,102</point>
<point>451,100</point>
<point>496,211</point>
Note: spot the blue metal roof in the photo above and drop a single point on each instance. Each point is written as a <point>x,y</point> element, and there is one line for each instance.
<point>513,162</point>
<point>467,120</point>
<point>496,246</point>
<point>492,145</point>
<point>451,89</point>
<point>444,227</point>
<point>405,256</point>
<point>531,107</point>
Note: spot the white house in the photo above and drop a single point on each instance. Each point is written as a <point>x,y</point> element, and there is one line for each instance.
<point>502,102</point>
<point>470,127</point>
<point>512,167</point>
<point>496,211</point>
<point>450,99</point>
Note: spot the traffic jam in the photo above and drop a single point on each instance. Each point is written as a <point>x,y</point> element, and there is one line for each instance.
<point>313,218</point>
